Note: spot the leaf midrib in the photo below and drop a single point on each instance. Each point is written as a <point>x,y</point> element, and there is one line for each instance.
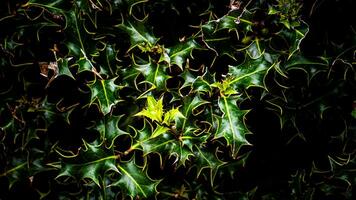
<point>105,93</point>
<point>134,29</point>
<point>230,122</point>
<point>133,180</point>
<point>246,75</point>
<point>182,51</point>
<point>97,161</point>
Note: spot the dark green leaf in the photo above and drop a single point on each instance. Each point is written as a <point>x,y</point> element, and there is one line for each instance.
<point>92,163</point>
<point>179,53</point>
<point>231,125</point>
<point>104,93</point>
<point>139,36</point>
<point>109,130</point>
<point>135,181</point>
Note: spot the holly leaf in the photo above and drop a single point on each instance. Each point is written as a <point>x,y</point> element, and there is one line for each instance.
<point>179,53</point>
<point>149,140</point>
<point>54,6</point>
<point>172,115</point>
<point>154,110</point>
<point>139,35</point>
<point>104,93</point>
<point>207,160</point>
<point>231,125</point>
<point>223,35</point>
<point>164,142</point>
<point>188,78</point>
<point>59,68</point>
<point>92,163</point>
<point>109,67</point>
<point>154,73</point>
<point>254,50</point>
<point>63,67</point>
<point>80,42</point>
<point>190,105</point>
<point>225,87</point>
<point>135,181</point>
<point>159,131</point>
<point>251,72</point>
<point>109,130</point>
<point>294,37</point>
<point>15,170</point>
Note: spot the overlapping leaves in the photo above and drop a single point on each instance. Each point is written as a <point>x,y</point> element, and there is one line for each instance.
<point>180,101</point>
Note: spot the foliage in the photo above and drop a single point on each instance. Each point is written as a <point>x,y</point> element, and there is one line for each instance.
<point>173,99</point>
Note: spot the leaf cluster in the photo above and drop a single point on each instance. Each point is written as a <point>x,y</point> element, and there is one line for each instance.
<point>163,99</point>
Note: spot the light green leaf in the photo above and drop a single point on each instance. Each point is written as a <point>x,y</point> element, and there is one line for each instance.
<point>159,131</point>
<point>225,87</point>
<point>171,115</point>
<point>154,109</point>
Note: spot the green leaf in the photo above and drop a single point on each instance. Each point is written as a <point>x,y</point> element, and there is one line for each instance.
<point>165,143</point>
<point>207,160</point>
<point>251,72</point>
<point>17,169</point>
<point>63,68</point>
<point>223,35</point>
<point>254,50</point>
<point>231,125</point>
<point>23,164</point>
<point>154,73</point>
<point>225,87</point>
<point>294,37</point>
<point>55,5</point>
<point>190,105</point>
<point>154,109</point>
<point>188,78</point>
<point>149,140</point>
<point>139,35</point>
<point>198,84</point>
<point>109,67</point>
<point>159,131</point>
<point>353,113</point>
<point>135,181</point>
<point>171,115</point>
<point>179,53</point>
<point>109,130</point>
<point>104,93</point>
<point>84,64</point>
<point>92,163</point>
<point>300,62</point>
<point>79,42</point>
